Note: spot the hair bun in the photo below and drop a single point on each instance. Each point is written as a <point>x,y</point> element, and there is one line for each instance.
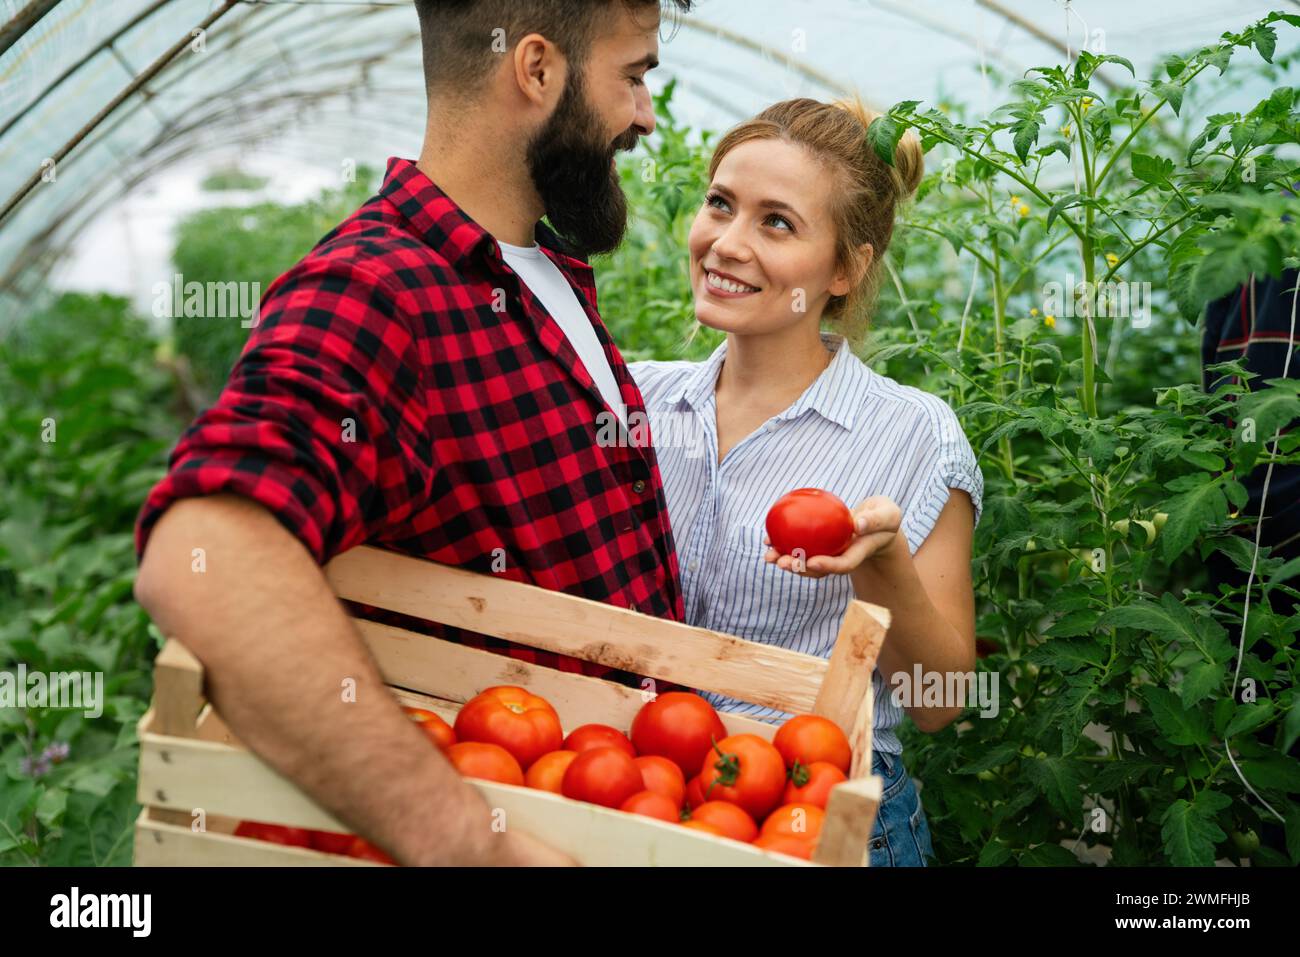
<point>909,160</point>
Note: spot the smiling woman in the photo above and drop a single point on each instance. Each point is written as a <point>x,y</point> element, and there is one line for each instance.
<point>798,211</point>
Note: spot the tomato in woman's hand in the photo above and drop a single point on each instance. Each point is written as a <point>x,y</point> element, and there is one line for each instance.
<point>812,783</point>
<point>521,722</point>
<point>651,804</point>
<point>489,762</point>
<point>363,849</point>
<point>810,519</point>
<point>679,726</point>
<point>795,820</point>
<point>604,776</point>
<point>547,772</point>
<point>438,730</point>
<point>274,833</point>
<point>590,736</point>
<point>731,820</point>
<point>330,842</point>
<point>663,776</point>
<point>745,770</point>
<point>810,737</point>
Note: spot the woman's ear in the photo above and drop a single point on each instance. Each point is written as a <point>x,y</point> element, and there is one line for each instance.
<point>847,277</point>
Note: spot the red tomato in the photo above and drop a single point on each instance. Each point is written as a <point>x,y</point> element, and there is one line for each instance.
<point>702,826</point>
<point>439,731</point>
<point>809,737</point>
<point>605,776</point>
<point>795,820</point>
<point>811,784</point>
<point>811,519</point>
<point>490,762</point>
<point>679,726</point>
<point>694,792</point>
<point>547,772</point>
<point>274,833</point>
<point>598,736</point>
<point>731,820</point>
<point>651,804</point>
<point>331,842</point>
<point>519,721</point>
<point>745,770</point>
<point>787,844</point>
<point>368,852</point>
<point>661,775</point>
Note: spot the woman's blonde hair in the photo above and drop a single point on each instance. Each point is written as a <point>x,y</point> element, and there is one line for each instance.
<point>865,196</point>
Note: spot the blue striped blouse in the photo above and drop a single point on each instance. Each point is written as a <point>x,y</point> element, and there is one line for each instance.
<point>852,432</point>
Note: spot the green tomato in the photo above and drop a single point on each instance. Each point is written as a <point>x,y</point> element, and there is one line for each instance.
<point>1248,843</point>
<point>986,776</point>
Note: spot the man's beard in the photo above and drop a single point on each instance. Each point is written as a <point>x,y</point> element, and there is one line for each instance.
<point>572,170</point>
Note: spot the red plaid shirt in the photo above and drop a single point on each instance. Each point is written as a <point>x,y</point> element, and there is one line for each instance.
<point>475,429</point>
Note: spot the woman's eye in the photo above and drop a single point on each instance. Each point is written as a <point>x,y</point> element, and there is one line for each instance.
<point>716,201</point>
<point>786,224</point>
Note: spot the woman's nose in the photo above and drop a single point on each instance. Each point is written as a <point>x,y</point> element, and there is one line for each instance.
<point>730,243</point>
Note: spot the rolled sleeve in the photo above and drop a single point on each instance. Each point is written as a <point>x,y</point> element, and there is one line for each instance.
<point>949,462</point>
<point>323,420</point>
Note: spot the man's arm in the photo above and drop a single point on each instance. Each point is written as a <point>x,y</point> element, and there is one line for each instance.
<point>277,646</point>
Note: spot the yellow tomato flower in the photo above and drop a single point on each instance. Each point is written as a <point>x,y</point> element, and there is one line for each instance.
<point>1033,311</point>
<point>1023,210</point>
<point>1111,259</point>
<point>1049,321</point>
<point>1085,103</point>
<point>1065,131</point>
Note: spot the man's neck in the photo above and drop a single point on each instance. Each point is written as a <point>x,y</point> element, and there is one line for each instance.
<point>491,187</point>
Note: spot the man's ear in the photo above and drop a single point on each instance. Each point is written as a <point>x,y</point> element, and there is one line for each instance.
<point>847,277</point>
<point>539,70</point>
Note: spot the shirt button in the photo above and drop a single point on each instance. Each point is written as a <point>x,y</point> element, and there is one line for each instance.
<point>693,565</point>
<point>638,486</point>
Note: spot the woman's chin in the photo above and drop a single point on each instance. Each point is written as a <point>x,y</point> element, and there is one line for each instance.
<point>715,318</point>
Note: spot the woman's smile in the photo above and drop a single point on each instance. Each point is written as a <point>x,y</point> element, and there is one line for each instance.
<point>725,286</point>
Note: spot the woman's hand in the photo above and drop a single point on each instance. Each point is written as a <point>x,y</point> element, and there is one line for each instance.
<point>876,521</point>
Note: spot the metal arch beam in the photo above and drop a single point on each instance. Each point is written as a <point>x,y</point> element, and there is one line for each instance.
<point>103,45</point>
<point>148,74</point>
<point>24,20</point>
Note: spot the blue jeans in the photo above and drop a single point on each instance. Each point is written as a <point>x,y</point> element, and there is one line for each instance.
<point>900,837</point>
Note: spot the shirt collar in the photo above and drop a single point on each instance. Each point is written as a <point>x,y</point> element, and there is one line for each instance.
<point>448,229</point>
<point>834,394</point>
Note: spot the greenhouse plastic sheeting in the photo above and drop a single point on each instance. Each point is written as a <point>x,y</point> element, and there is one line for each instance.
<point>343,78</point>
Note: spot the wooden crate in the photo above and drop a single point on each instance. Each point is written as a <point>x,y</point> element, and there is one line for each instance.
<point>189,759</point>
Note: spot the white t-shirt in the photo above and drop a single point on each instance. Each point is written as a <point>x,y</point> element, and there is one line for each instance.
<point>548,284</point>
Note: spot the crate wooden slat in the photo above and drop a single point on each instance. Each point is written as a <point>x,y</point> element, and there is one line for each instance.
<point>190,760</point>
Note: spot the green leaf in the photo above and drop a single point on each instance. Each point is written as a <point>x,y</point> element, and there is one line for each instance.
<point>992,759</point>
<point>1049,855</point>
<point>97,831</point>
<point>1172,92</point>
<point>1199,680</point>
<point>1058,779</point>
<point>1265,39</point>
<point>994,854</point>
<point>1249,717</point>
<point>1291,726</point>
<point>883,134</point>
<point>1152,169</point>
<point>1189,515</point>
<point>1281,773</point>
<point>1025,136</point>
<point>1176,723</point>
<point>1190,834</point>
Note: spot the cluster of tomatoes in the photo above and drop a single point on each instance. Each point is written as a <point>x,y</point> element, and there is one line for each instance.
<point>678,765</point>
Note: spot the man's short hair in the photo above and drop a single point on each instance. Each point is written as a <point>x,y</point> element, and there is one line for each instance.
<point>462,39</point>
